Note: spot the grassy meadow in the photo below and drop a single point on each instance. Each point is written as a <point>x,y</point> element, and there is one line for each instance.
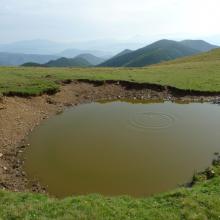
<point>198,73</point>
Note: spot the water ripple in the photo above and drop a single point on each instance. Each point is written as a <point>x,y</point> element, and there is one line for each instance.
<point>152,120</point>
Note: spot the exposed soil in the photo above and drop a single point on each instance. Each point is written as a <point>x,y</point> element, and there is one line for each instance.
<point>19,116</point>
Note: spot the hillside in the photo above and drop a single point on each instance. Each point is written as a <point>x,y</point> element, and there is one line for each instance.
<point>61,62</point>
<point>16,59</point>
<point>126,51</point>
<point>162,50</point>
<point>200,45</point>
<point>65,62</point>
<point>210,56</point>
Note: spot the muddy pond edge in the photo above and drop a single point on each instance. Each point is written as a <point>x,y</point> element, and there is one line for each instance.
<point>71,93</point>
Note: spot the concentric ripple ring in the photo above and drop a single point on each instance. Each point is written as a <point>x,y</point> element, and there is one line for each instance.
<point>152,120</point>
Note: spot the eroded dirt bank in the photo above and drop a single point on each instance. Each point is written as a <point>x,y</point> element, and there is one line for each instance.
<point>19,116</point>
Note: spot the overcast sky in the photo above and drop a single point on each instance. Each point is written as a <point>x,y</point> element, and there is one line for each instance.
<point>74,20</point>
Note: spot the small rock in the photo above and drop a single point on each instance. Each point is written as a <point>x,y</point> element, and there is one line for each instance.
<point>15,166</point>
<point>169,98</point>
<point>51,101</point>
<point>59,111</point>
<point>5,168</point>
<point>1,155</point>
<point>217,101</point>
<point>210,173</point>
<point>68,104</point>
<point>17,175</point>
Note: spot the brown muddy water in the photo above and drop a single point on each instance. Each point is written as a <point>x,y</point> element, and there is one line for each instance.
<point>123,148</point>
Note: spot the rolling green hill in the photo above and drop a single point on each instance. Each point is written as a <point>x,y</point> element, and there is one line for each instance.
<point>62,62</point>
<point>157,52</point>
<point>68,62</point>
<point>210,56</point>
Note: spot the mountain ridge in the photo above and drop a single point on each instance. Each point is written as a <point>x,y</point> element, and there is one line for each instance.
<point>94,60</point>
<point>200,45</point>
<point>61,62</point>
<point>159,51</point>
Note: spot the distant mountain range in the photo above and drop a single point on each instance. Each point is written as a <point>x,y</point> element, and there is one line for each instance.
<point>42,51</point>
<point>157,52</point>
<point>79,61</point>
<point>70,53</point>
<point>14,59</point>
<point>11,59</point>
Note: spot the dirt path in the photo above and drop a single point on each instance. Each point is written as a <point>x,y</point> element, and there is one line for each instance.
<point>19,116</point>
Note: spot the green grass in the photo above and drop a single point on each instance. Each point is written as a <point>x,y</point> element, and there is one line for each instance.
<point>202,201</point>
<point>198,73</point>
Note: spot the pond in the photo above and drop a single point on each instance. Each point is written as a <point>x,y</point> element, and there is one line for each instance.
<point>119,148</point>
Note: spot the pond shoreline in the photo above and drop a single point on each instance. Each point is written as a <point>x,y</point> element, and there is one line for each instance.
<point>20,115</point>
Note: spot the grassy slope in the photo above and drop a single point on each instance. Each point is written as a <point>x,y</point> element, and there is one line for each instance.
<point>213,55</point>
<point>199,73</point>
<point>202,201</point>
